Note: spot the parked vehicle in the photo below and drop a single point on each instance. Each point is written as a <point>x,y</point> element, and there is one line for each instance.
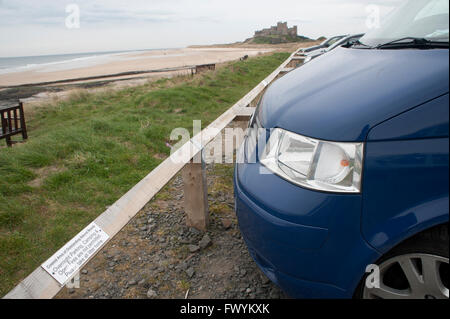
<point>345,166</point>
<point>348,40</point>
<point>325,44</point>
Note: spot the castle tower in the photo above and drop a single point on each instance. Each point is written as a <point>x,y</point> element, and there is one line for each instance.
<point>293,31</point>
<point>282,28</point>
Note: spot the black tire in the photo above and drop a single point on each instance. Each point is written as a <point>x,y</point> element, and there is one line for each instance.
<point>434,241</point>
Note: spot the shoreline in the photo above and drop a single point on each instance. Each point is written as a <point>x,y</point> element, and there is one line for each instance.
<point>98,77</point>
<point>139,69</point>
<point>125,63</point>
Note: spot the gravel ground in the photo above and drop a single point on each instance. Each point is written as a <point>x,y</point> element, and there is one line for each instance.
<point>157,256</point>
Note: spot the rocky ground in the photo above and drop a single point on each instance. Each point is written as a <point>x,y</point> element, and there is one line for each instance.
<point>157,256</point>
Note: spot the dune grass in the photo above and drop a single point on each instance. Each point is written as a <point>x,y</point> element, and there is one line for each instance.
<point>87,151</point>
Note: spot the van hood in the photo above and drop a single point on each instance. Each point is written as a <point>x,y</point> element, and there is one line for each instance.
<point>342,94</point>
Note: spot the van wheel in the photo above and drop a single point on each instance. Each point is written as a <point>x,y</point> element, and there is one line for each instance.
<point>416,269</point>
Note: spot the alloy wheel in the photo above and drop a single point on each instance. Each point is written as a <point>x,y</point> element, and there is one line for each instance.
<point>413,276</point>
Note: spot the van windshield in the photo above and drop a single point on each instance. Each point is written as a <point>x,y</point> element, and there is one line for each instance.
<point>424,19</point>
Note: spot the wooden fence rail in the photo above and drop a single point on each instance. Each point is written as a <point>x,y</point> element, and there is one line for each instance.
<point>41,285</point>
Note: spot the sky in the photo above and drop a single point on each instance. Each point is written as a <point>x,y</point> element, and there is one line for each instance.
<point>39,27</point>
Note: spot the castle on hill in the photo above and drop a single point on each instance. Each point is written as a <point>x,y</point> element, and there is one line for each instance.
<point>281,29</point>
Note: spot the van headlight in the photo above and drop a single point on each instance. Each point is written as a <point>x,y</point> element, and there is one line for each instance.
<point>315,164</point>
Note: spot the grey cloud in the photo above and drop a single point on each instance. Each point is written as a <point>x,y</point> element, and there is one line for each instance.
<point>51,12</point>
<point>133,11</point>
<point>123,24</point>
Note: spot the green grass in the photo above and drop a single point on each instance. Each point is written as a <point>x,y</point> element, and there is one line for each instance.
<point>276,39</point>
<point>85,152</point>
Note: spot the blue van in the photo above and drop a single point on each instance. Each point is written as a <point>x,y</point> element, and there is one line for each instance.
<point>341,184</point>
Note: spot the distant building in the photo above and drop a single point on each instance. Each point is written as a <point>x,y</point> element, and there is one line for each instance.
<point>281,30</point>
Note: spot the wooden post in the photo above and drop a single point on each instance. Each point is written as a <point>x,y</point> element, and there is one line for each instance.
<point>5,127</point>
<point>196,194</point>
<point>23,126</point>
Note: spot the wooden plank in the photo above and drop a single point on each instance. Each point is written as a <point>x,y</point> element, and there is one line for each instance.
<point>16,121</point>
<point>3,123</point>
<point>286,70</point>
<point>196,195</point>
<point>23,125</point>
<point>244,113</point>
<point>10,121</point>
<point>40,285</point>
<point>6,133</point>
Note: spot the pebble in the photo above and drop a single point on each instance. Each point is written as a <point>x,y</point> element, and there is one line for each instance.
<point>205,242</point>
<point>265,280</point>
<point>151,294</point>
<point>183,266</point>
<point>190,272</point>
<point>227,223</point>
<point>194,231</point>
<point>193,248</point>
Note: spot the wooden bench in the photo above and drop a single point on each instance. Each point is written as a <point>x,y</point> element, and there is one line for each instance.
<point>205,67</point>
<point>12,123</point>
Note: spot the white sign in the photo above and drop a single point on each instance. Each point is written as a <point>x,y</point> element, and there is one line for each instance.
<point>68,260</point>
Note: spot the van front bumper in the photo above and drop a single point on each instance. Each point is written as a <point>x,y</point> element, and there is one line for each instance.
<point>308,243</point>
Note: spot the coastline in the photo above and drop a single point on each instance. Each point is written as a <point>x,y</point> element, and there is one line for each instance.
<point>30,88</point>
<point>126,62</point>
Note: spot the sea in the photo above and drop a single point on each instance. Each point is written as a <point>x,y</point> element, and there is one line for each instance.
<point>51,63</point>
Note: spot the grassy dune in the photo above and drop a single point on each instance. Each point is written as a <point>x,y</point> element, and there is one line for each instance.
<point>85,152</point>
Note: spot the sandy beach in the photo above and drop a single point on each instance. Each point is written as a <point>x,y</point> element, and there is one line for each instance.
<point>128,62</point>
